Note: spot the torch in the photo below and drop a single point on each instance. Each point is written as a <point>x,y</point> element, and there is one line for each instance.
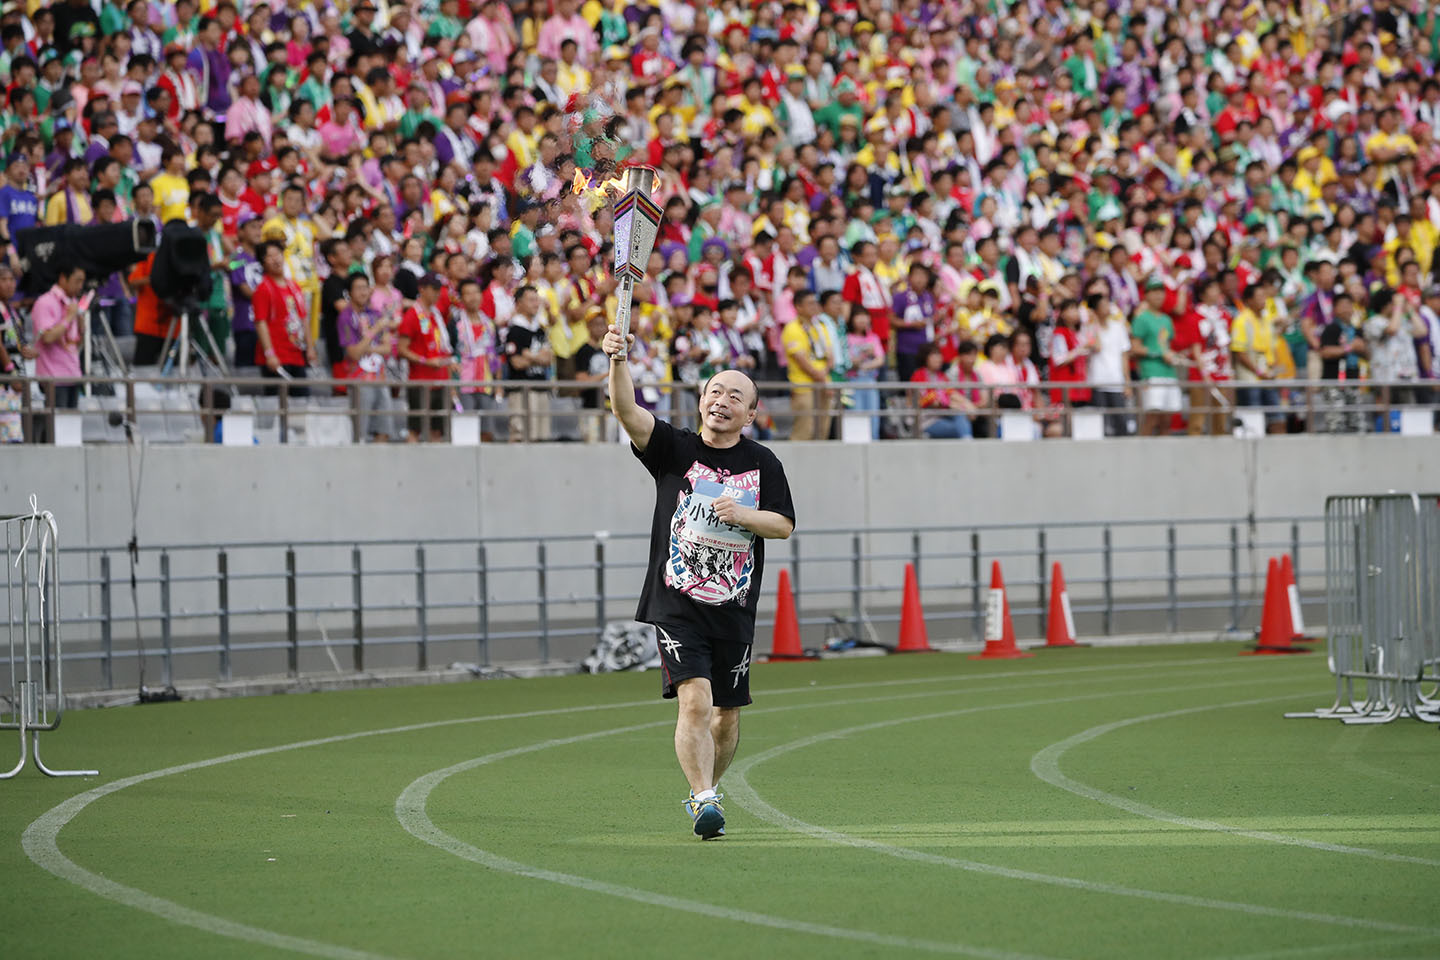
<point>637,221</point>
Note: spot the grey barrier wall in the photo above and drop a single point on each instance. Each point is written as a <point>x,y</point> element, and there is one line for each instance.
<point>206,495</point>
<point>953,506</point>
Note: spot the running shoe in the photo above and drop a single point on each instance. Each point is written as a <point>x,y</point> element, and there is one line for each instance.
<point>709,816</point>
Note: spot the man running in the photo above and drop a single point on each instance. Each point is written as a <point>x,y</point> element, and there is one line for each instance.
<point>718,497</point>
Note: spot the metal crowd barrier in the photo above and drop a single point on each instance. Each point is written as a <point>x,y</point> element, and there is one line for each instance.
<point>229,611</point>
<point>322,411</point>
<point>1382,595</point>
<point>36,700</point>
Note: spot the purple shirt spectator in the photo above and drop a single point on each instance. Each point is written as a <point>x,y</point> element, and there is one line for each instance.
<point>911,307</point>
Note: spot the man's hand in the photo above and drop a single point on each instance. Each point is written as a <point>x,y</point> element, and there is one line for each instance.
<point>612,346</point>
<point>313,356</point>
<point>728,511</point>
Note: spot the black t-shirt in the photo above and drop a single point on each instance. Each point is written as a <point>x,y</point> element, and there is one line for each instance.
<point>518,339</point>
<point>334,288</point>
<point>1337,334</point>
<point>591,360</point>
<point>702,571</point>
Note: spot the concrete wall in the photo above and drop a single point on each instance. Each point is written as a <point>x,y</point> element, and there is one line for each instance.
<point>422,495</point>
<point>208,494</point>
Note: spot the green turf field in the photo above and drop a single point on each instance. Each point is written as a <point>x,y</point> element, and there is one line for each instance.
<point>1092,803</point>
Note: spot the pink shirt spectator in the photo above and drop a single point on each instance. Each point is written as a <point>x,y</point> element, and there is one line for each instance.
<point>60,359</point>
<point>558,29</point>
<point>245,115</point>
<point>337,139</point>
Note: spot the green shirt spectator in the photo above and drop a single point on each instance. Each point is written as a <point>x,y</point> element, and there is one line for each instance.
<point>1154,331</point>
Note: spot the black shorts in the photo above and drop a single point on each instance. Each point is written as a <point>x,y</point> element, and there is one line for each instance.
<point>686,652</point>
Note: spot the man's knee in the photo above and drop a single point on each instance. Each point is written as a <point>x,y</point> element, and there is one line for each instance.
<point>695,701</point>
<point>724,719</point>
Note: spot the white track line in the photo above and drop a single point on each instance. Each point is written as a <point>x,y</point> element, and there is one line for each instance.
<point>410,811</point>
<point>1046,766</point>
<point>1366,949</point>
<point>739,790</point>
<point>40,839</point>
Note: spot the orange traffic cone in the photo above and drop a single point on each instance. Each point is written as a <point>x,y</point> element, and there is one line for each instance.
<point>1292,594</point>
<point>913,638</point>
<point>786,643</point>
<point>999,631</point>
<point>1275,630</point>
<point>1060,623</point>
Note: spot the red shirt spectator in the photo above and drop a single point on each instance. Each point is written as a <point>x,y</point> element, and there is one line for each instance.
<point>424,341</point>
<point>279,304</point>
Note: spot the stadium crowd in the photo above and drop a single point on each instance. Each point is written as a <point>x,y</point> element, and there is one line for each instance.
<point>979,196</point>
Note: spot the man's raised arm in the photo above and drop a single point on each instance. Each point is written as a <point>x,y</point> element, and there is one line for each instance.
<point>638,422</point>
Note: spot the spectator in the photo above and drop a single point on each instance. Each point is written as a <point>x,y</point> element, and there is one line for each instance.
<point>807,353</point>
<point>1390,335</point>
<point>1150,335</point>
<point>1253,348</point>
<point>1342,347</point>
<point>944,411</point>
<point>983,172</point>
<point>284,345</point>
<point>530,359</point>
<point>1110,363</point>
<point>424,343</point>
<point>1202,339</point>
<point>19,209</point>
<point>368,338</point>
<point>246,273</point>
<point>61,324</point>
<point>867,359</point>
<point>71,204</point>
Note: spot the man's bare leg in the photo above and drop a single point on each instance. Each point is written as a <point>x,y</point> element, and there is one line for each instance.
<point>694,745</point>
<point>725,732</point>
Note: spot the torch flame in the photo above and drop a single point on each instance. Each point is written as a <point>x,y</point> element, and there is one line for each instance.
<point>582,187</point>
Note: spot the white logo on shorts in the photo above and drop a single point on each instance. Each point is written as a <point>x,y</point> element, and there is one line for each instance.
<point>741,669</point>
<point>672,647</point>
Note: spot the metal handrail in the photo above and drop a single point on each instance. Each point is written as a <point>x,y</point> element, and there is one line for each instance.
<point>260,596</point>
<point>1366,398</point>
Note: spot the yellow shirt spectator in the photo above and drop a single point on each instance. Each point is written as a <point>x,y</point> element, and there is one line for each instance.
<point>172,196</point>
<point>525,147</point>
<point>571,79</point>
<point>59,209</point>
<point>1394,142</point>
<point>1255,338</point>
<point>811,341</point>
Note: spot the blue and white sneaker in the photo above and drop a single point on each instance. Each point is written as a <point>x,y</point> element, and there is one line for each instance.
<point>709,816</point>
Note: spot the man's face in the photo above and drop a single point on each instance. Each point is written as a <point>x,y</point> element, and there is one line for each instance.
<point>727,404</point>
<point>274,261</point>
<point>293,203</point>
<point>73,283</point>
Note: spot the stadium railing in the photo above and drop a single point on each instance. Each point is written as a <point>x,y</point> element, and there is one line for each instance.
<point>326,411</point>
<point>221,612</point>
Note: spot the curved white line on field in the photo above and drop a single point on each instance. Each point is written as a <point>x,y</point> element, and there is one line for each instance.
<point>1344,951</point>
<point>738,789</point>
<point>1046,766</point>
<point>410,811</point>
<point>40,839</point>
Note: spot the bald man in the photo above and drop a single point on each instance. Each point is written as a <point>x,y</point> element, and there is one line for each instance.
<point>718,497</point>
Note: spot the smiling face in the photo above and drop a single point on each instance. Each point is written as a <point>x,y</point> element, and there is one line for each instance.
<point>727,406</point>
